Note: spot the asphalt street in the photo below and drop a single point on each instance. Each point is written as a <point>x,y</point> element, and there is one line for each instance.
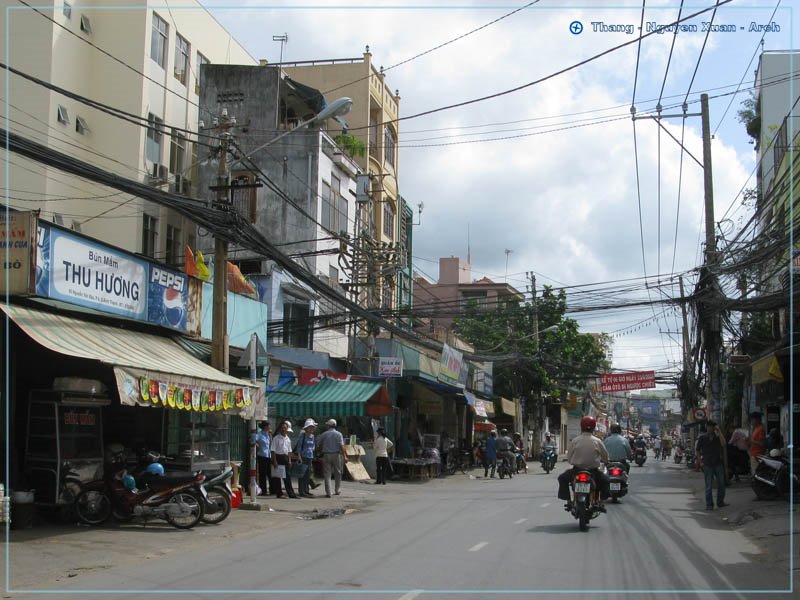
<point>470,538</point>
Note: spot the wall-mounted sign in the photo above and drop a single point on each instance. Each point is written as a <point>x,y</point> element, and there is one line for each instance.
<point>16,251</point>
<point>451,366</point>
<point>390,366</point>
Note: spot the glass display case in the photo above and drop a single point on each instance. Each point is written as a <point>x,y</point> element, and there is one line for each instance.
<point>198,440</point>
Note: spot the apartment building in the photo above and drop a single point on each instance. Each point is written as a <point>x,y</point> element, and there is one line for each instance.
<point>142,57</point>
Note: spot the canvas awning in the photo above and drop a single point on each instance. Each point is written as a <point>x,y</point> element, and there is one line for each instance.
<point>332,398</point>
<point>150,369</point>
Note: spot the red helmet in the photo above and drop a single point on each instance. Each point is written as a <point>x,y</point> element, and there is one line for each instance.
<point>588,424</point>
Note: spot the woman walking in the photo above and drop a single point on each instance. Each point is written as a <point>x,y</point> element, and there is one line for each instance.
<point>304,448</point>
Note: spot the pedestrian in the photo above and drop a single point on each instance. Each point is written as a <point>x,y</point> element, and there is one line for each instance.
<point>490,454</point>
<point>331,447</point>
<point>304,449</point>
<point>281,457</point>
<point>758,439</point>
<point>444,449</point>
<point>657,447</point>
<point>710,445</point>
<point>262,440</point>
<point>382,465</point>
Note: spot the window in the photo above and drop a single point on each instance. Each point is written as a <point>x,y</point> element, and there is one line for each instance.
<point>177,152</point>
<point>149,234</point>
<point>86,24</point>
<point>388,220</point>
<point>333,275</point>
<point>158,41</point>
<point>154,134</point>
<point>201,60</point>
<point>66,10</point>
<point>173,256</point>
<point>181,59</point>
<point>81,126</point>
<point>63,115</point>
<point>389,145</point>
<point>473,299</point>
<point>296,325</point>
<point>334,206</point>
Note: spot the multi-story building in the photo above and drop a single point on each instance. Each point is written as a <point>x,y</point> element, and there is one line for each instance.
<point>143,60</point>
<point>444,300</point>
<point>372,120</point>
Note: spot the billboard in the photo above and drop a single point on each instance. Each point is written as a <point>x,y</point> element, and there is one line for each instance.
<point>16,242</point>
<point>621,382</point>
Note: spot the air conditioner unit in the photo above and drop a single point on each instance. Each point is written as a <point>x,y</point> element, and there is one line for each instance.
<point>159,174</point>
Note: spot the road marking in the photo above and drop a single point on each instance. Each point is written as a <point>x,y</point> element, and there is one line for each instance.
<point>411,595</point>
<point>478,546</point>
<point>520,521</point>
<point>545,505</point>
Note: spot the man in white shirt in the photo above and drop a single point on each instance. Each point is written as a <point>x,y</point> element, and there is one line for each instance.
<point>281,449</point>
<point>382,445</point>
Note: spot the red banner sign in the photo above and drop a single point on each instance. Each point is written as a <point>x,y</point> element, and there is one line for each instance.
<point>622,382</point>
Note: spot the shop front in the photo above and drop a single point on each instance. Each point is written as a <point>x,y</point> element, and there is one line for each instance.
<point>80,383</point>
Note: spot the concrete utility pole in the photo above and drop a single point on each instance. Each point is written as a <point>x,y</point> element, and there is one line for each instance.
<point>537,401</point>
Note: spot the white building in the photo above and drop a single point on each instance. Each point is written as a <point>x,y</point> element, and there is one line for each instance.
<point>142,59</point>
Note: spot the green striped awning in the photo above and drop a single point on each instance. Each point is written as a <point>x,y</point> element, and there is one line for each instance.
<point>331,398</point>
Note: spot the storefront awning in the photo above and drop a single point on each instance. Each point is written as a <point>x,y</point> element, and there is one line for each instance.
<point>766,369</point>
<point>150,369</point>
<point>332,398</point>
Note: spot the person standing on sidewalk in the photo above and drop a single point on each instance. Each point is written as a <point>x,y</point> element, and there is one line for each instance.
<point>710,445</point>
<point>262,440</point>
<point>331,446</point>
<point>490,454</point>
<point>304,448</point>
<point>382,465</point>
<point>282,457</point>
<point>758,440</point>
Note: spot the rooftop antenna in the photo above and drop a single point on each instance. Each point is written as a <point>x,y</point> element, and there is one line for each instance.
<point>283,39</point>
<point>507,253</point>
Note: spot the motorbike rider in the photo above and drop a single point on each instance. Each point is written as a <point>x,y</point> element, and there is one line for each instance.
<point>585,452</point>
<point>519,450</point>
<point>619,450</point>
<point>506,449</point>
<point>641,444</point>
<point>548,443</point>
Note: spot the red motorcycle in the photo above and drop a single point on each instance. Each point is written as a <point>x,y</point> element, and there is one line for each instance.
<point>178,500</point>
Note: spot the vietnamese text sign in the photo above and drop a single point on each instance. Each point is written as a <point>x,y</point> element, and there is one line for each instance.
<point>390,366</point>
<point>16,246</point>
<point>83,272</point>
<point>451,366</point>
<point>620,382</point>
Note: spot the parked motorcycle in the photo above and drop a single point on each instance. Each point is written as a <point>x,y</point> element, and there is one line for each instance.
<point>774,476</point>
<point>549,458</point>
<point>640,456</point>
<point>585,502</point>
<point>178,500</point>
<point>618,480</point>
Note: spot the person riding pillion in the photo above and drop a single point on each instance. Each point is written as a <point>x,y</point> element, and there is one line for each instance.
<point>585,452</point>
<point>619,449</point>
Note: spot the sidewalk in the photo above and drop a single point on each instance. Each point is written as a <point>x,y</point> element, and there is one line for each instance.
<point>766,522</point>
<point>50,552</point>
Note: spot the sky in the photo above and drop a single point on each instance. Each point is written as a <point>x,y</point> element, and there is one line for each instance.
<point>555,178</point>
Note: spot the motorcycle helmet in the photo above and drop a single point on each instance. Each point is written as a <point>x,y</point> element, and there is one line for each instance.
<point>775,453</point>
<point>588,424</point>
<point>128,482</point>
<point>155,468</point>
<point>504,432</point>
<point>615,428</point>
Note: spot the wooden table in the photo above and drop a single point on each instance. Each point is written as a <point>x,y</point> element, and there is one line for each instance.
<point>414,468</point>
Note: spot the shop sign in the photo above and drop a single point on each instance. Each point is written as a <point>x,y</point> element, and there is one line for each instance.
<point>167,297</point>
<point>480,408</point>
<point>90,274</point>
<point>312,376</point>
<point>451,366</point>
<point>390,366</point>
<point>16,244</point>
<point>79,418</point>
<point>620,382</point>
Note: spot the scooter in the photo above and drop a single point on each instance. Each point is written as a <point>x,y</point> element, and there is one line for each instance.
<point>178,500</point>
<point>585,502</point>
<point>618,480</point>
<point>640,456</point>
<point>678,457</point>
<point>549,458</point>
<point>774,477</point>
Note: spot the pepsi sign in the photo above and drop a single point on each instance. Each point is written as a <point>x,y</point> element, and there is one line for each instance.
<point>167,298</point>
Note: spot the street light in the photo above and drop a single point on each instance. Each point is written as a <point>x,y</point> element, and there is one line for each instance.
<point>335,109</point>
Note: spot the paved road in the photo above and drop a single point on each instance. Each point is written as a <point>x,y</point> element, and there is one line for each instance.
<point>475,537</point>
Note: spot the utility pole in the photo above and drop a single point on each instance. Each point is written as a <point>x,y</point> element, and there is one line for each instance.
<point>537,400</point>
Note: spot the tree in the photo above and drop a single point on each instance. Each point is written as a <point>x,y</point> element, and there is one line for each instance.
<point>750,116</point>
<point>556,360</point>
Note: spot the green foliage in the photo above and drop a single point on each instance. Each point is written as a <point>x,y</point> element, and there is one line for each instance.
<point>559,359</point>
<point>352,146</point>
<point>750,116</point>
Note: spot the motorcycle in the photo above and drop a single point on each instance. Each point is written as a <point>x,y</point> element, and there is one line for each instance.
<point>774,477</point>
<point>618,480</point>
<point>640,456</point>
<point>585,502</point>
<point>178,500</point>
<point>520,462</point>
<point>503,467</point>
<point>549,458</point>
